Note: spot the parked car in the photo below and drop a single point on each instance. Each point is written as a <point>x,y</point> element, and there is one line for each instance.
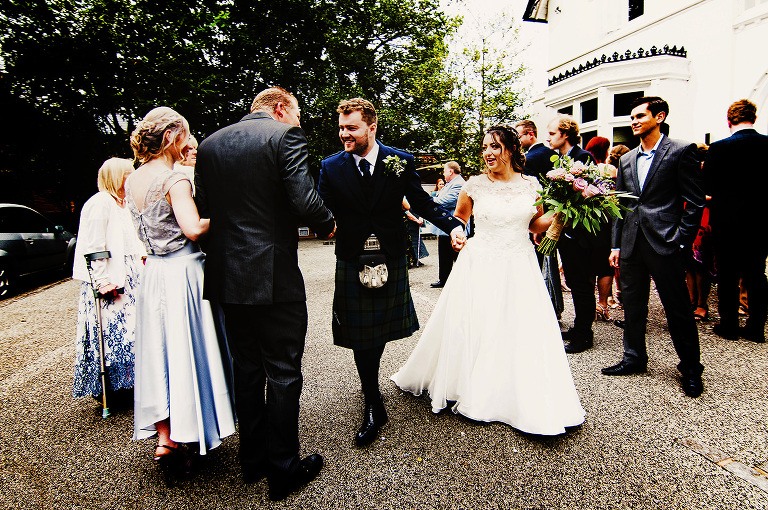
<point>30,243</point>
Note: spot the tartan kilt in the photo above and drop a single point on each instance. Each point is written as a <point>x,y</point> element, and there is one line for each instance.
<point>366,318</point>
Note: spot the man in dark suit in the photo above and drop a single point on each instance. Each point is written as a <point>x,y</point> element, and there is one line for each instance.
<point>253,182</point>
<point>538,157</point>
<point>364,186</point>
<point>649,241</point>
<point>575,245</point>
<point>447,198</point>
<point>741,246</point>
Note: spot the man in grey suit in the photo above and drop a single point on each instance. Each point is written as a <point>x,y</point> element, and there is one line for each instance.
<point>649,241</point>
<point>447,197</point>
<point>253,182</point>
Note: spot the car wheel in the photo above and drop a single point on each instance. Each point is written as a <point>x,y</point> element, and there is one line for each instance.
<point>6,282</point>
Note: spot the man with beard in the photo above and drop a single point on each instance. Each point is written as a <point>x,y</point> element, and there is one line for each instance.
<point>363,186</point>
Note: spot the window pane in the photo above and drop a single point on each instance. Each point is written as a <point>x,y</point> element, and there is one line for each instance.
<point>568,110</point>
<point>635,9</point>
<point>622,103</point>
<point>589,110</point>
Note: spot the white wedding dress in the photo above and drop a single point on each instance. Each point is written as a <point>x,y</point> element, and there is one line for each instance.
<point>493,344</point>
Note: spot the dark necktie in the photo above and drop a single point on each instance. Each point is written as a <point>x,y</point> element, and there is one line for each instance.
<point>365,167</point>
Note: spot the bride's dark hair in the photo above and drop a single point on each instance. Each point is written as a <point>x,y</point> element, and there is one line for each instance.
<point>508,137</point>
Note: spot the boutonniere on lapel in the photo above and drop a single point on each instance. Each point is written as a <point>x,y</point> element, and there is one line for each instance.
<point>394,165</point>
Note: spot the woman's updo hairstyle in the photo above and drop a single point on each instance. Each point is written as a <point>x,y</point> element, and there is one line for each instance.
<point>509,138</point>
<point>148,140</point>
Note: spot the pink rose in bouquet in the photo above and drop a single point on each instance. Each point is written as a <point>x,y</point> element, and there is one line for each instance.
<point>590,191</point>
<point>580,184</point>
<point>556,174</point>
<point>569,178</point>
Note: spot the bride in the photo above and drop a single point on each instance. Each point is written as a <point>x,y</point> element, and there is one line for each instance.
<point>492,346</point>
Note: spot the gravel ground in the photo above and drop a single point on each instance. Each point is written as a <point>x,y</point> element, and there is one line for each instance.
<point>57,452</point>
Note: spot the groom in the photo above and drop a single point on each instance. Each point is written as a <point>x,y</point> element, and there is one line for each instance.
<point>364,187</point>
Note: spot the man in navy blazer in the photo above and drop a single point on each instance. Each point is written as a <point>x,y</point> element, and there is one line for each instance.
<point>538,157</point>
<point>651,238</point>
<point>576,245</point>
<point>253,182</point>
<point>741,246</point>
<point>447,197</point>
<point>364,186</point>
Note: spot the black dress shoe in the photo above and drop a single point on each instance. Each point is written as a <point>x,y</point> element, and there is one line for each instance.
<point>753,336</point>
<point>254,472</point>
<point>624,368</point>
<point>374,417</point>
<point>280,486</point>
<point>437,285</point>
<point>576,346</point>
<point>692,386</point>
<point>724,332</point>
<point>579,341</point>
<point>619,323</point>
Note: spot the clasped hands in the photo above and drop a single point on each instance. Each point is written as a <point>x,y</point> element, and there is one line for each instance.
<point>458,238</point>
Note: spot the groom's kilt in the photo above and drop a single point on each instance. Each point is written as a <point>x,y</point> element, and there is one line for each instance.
<point>365,318</point>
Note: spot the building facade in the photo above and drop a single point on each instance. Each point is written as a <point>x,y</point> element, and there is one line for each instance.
<point>699,55</point>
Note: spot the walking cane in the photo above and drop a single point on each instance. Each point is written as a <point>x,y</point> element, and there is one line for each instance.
<point>418,248</point>
<point>90,257</point>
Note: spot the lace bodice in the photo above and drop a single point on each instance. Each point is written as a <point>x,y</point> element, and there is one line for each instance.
<point>156,224</point>
<point>502,212</point>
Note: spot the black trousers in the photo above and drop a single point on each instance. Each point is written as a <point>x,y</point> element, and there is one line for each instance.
<point>734,260</point>
<point>668,272</point>
<point>267,344</point>
<point>446,257</point>
<point>576,253</point>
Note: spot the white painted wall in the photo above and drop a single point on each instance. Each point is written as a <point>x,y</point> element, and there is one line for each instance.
<point>726,43</point>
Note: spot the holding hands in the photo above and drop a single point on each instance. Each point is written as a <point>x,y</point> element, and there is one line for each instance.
<point>458,238</point>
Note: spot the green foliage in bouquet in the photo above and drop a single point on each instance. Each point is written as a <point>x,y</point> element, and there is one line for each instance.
<point>579,195</point>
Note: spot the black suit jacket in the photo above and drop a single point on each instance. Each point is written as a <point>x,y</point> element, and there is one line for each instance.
<point>734,171</point>
<point>538,160</point>
<point>579,154</point>
<point>362,209</point>
<point>674,179</point>
<point>252,180</point>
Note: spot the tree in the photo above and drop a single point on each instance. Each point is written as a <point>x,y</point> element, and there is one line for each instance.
<point>78,74</point>
<point>486,91</point>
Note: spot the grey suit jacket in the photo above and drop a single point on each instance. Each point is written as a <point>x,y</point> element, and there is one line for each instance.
<point>669,207</point>
<point>448,197</point>
<point>253,182</point>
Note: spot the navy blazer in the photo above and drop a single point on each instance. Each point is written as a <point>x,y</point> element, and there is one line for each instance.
<point>669,207</point>
<point>538,160</point>
<point>252,180</point>
<point>734,170</point>
<point>362,209</point>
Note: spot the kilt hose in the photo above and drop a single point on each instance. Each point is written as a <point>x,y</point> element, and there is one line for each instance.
<point>366,318</point>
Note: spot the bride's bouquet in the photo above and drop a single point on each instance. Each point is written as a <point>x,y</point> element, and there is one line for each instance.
<point>579,195</point>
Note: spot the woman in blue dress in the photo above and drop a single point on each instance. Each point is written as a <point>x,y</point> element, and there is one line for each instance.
<point>183,387</point>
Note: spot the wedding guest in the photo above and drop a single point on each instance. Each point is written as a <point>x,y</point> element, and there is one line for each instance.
<point>105,225</point>
<point>254,183</point>
<point>613,160</point>
<point>492,345</point>
<point>189,159</point>
<point>538,161</point>
<point>370,312</point>
<point>538,157</point>
<point>576,245</point>
<point>649,240</point>
<point>700,261</point>
<point>182,392</point>
<point>741,245</point>
<point>438,186</point>
<point>598,146</point>
<point>417,250</point>
<point>446,198</point>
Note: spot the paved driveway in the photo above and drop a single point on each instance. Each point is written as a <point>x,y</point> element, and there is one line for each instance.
<point>639,446</point>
